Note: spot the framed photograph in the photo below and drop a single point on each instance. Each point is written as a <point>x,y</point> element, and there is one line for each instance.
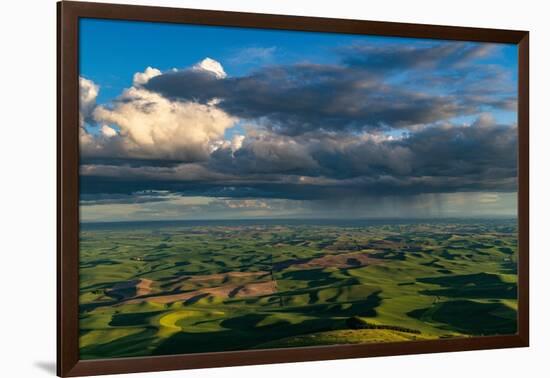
<point>239,188</point>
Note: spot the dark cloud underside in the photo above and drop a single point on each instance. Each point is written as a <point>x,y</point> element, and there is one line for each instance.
<point>384,120</point>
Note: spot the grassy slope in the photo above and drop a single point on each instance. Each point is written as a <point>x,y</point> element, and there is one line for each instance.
<point>442,280</point>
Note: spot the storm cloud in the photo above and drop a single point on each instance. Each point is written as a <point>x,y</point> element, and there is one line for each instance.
<point>300,98</point>
<point>382,120</point>
<point>358,93</point>
<point>449,158</point>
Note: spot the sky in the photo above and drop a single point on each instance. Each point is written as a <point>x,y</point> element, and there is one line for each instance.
<point>185,122</point>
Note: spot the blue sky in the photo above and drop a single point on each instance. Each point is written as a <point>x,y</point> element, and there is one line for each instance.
<point>111,51</point>
<point>283,128</point>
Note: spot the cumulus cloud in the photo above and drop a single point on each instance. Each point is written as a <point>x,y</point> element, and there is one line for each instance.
<point>211,66</point>
<point>108,131</point>
<point>141,78</point>
<point>237,142</point>
<point>264,153</point>
<point>88,91</point>
<point>150,126</point>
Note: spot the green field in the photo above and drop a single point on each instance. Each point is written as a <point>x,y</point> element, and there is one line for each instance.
<point>168,288</point>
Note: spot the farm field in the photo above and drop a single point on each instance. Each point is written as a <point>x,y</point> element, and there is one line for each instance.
<point>154,288</point>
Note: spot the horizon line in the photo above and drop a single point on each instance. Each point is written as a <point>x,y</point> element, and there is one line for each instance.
<point>484,217</point>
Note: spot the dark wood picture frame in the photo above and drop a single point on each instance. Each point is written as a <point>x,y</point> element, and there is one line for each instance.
<point>68,362</point>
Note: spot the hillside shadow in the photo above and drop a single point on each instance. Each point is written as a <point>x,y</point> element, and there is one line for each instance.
<point>479,285</point>
<point>469,317</point>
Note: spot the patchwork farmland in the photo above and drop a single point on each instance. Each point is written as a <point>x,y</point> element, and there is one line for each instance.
<point>186,287</point>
